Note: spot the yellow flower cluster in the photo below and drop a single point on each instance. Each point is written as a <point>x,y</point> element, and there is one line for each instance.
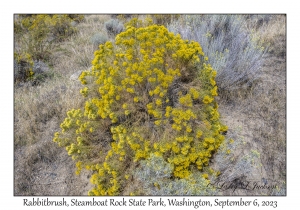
<point>79,167</point>
<point>106,181</point>
<point>128,91</point>
<point>186,100</point>
<point>193,145</point>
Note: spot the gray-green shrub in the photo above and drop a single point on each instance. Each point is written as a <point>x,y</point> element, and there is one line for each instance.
<point>155,175</point>
<point>114,27</point>
<point>97,39</point>
<point>231,50</point>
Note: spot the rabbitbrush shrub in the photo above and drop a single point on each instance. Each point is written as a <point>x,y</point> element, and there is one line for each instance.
<point>36,36</point>
<point>149,93</point>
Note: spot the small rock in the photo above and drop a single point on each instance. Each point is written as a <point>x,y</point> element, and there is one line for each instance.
<point>75,75</point>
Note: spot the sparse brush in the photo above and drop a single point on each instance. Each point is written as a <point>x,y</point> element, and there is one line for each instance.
<point>114,27</point>
<point>38,34</point>
<point>36,37</point>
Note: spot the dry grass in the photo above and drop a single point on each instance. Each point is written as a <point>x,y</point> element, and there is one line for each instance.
<point>41,168</point>
<point>38,113</point>
<point>272,33</point>
<point>256,117</point>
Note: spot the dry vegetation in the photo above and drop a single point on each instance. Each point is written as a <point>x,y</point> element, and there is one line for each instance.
<point>255,115</point>
<point>41,168</point>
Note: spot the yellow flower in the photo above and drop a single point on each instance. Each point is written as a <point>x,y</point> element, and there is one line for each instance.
<point>158,102</point>
<point>124,106</point>
<point>199,134</point>
<point>207,99</point>
<point>157,122</point>
<point>186,100</point>
<point>205,176</point>
<point>161,94</point>
<point>130,90</point>
<point>188,129</point>
<point>214,91</point>
<point>212,82</point>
